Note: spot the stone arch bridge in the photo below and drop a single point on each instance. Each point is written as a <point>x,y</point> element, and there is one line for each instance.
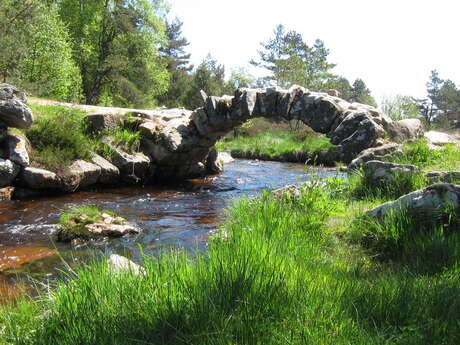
<point>181,142</point>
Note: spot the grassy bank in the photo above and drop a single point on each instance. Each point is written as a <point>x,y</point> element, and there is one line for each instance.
<point>283,270</point>
<point>261,139</point>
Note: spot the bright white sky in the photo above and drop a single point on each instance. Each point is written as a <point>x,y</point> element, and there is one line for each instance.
<point>391,44</point>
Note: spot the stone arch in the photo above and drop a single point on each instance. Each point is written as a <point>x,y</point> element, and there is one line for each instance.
<point>182,146</point>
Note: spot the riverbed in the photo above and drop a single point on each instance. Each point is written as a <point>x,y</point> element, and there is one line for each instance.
<point>178,216</point>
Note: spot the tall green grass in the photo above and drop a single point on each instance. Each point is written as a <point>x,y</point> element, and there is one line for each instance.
<point>275,274</point>
<point>420,154</point>
<point>276,144</point>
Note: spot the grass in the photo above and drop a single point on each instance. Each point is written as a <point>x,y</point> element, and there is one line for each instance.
<point>362,186</point>
<point>284,270</point>
<point>278,142</point>
<point>58,137</point>
<point>73,220</point>
<point>419,153</point>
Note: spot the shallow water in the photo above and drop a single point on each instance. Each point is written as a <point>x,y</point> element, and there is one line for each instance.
<point>181,216</point>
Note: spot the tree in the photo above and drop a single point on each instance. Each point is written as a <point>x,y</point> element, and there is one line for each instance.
<point>240,77</point>
<point>178,64</point>
<point>209,76</point>
<point>291,61</point>
<point>35,52</point>
<point>115,46</point>
<point>361,94</point>
<point>400,107</point>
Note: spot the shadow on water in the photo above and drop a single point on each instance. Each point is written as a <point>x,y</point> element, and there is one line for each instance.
<point>181,216</point>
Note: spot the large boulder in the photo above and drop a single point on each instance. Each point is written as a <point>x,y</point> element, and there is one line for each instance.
<point>443,176</point>
<point>432,199</point>
<point>440,138</point>
<point>375,153</point>
<point>133,168</point>
<point>8,172</point>
<point>80,174</point>
<point>405,130</point>
<point>103,122</point>
<point>384,173</point>
<point>16,149</point>
<point>110,174</point>
<point>36,178</point>
<point>13,109</point>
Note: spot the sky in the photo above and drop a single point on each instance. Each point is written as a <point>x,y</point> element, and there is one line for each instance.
<point>391,44</point>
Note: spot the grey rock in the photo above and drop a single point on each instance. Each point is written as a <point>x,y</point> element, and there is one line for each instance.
<point>381,173</point>
<point>133,168</point>
<point>212,163</point>
<point>405,130</point>
<point>110,174</point>
<point>35,178</point>
<point>8,172</point>
<point>443,176</point>
<point>103,122</point>
<point>6,193</point>
<point>14,111</point>
<point>17,151</point>
<point>440,138</point>
<point>8,92</point>
<point>225,157</point>
<point>428,200</point>
<point>375,153</point>
<point>80,174</point>
<point>120,264</point>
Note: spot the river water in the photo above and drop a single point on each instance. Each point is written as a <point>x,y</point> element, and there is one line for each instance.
<point>181,216</point>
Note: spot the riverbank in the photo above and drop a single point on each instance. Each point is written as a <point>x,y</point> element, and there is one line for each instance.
<point>280,141</point>
<point>298,267</point>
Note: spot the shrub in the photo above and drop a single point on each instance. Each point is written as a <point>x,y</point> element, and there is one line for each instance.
<point>58,136</point>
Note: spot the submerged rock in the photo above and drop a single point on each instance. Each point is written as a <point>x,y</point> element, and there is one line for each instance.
<point>8,172</point>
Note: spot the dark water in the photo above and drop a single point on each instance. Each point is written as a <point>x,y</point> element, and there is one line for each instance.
<point>180,216</point>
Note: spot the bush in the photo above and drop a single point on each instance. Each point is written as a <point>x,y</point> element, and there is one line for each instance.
<point>58,136</point>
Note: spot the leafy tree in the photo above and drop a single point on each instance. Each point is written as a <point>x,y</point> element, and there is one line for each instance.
<point>115,46</point>
<point>35,51</point>
<point>443,101</point>
<point>209,76</point>
<point>400,107</point>
<point>361,94</point>
<point>240,77</point>
<point>178,64</point>
<point>340,84</point>
<point>291,61</point>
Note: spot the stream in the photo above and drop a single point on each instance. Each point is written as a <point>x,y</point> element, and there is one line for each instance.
<point>180,216</point>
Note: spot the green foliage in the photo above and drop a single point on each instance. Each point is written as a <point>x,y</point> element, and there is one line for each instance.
<point>35,51</point>
<point>58,136</point>
<point>115,46</point>
<point>291,61</point>
<point>361,94</point>
<point>127,140</point>
<point>209,76</point>
<point>73,220</point>
<point>419,153</point>
<point>275,273</point>
<point>427,242</point>
<point>262,138</point>
<point>400,107</point>
<point>362,186</point>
